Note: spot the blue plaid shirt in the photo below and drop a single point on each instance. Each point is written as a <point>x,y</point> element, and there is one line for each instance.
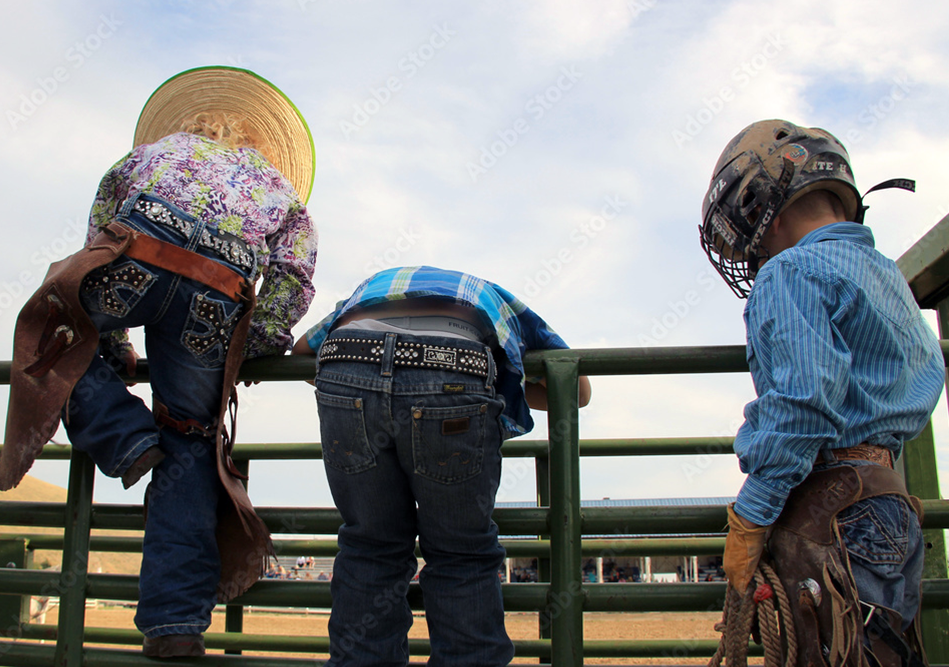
<point>516,326</point>
<point>839,354</point>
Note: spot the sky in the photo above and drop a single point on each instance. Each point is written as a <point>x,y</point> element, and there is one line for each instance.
<point>561,149</point>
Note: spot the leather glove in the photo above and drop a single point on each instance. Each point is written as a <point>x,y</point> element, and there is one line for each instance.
<point>743,549</point>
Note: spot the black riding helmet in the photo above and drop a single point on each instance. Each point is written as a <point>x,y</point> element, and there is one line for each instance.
<point>764,169</point>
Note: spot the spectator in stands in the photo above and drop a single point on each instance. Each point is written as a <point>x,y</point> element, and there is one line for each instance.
<point>420,378</point>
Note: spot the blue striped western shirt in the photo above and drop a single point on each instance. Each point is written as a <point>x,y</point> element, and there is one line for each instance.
<point>839,354</point>
<point>516,326</point>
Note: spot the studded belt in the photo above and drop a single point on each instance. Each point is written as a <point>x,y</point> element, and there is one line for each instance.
<point>407,353</point>
<point>227,246</point>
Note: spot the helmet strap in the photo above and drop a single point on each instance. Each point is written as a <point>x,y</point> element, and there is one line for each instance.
<point>901,183</point>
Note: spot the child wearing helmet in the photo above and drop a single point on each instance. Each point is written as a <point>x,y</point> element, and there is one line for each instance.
<point>845,371</point>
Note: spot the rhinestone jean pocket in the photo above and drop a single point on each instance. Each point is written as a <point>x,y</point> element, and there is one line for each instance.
<point>209,328</point>
<point>116,288</point>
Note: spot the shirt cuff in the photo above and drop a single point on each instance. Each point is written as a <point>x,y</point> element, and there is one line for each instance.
<point>760,502</point>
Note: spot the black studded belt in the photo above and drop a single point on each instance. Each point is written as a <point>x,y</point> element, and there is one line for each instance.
<point>227,246</point>
<point>407,353</point>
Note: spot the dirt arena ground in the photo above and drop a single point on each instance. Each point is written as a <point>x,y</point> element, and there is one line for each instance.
<point>673,626</point>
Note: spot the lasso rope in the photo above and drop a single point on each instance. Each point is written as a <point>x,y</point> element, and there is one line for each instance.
<point>774,623</point>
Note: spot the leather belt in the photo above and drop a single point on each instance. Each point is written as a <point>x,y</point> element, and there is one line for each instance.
<point>407,353</point>
<point>186,263</point>
<point>862,452</point>
<point>227,246</point>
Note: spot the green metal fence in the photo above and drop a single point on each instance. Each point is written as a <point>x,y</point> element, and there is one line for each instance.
<point>558,531</point>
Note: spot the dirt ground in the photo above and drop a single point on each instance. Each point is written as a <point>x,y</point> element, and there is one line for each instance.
<point>673,626</point>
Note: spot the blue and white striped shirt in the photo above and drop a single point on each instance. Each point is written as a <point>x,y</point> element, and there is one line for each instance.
<point>516,326</point>
<point>839,354</point>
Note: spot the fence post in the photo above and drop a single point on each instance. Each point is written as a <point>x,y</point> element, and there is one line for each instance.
<point>14,609</point>
<point>75,569</point>
<point>565,602</point>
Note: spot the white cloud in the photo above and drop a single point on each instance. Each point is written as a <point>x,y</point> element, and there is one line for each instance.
<point>558,30</point>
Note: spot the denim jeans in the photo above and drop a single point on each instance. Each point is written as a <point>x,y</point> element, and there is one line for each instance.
<point>180,561</point>
<point>413,452</point>
<point>885,548</point>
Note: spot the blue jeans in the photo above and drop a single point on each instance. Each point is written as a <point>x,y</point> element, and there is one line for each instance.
<point>885,546</point>
<point>180,561</point>
<point>413,452</point>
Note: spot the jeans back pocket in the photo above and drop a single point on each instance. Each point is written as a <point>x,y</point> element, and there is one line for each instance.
<point>876,530</point>
<point>448,442</point>
<point>115,289</point>
<point>343,432</point>
<point>209,328</point>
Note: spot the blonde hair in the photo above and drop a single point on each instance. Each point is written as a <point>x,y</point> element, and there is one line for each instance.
<point>225,129</point>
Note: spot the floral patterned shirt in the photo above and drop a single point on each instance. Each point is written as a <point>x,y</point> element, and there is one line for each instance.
<point>237,191</point>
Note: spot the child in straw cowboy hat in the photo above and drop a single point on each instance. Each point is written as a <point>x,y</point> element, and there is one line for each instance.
<point>209,200</point>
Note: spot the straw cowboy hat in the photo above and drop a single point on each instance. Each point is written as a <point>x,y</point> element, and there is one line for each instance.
<point>239,92</point>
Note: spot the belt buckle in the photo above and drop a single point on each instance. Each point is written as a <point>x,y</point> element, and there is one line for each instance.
<point>440,356</point>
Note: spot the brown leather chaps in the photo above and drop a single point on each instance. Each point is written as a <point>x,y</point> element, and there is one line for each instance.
<point>813,566</point>
<point>54,343</point>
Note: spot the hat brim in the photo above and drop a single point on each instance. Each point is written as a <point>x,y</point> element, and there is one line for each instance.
<point>242,93</point>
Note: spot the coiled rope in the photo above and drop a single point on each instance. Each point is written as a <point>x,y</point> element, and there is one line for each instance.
<point>767,602</point>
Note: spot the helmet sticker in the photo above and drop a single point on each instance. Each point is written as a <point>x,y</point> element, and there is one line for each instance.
<point>796,153</point>
<point>716,190</point>
<point>764,223</point>
<point>724,227</point>
<point>828,163</point>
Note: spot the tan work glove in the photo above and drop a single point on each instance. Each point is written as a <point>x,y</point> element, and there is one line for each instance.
<point>743,548</point>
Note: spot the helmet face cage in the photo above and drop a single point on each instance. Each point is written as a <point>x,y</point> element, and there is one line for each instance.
<point>735,272</point>
<point>731,242</point>
<point>762,170</point>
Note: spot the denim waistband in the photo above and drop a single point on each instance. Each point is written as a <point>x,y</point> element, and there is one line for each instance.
<point>226,246</point>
